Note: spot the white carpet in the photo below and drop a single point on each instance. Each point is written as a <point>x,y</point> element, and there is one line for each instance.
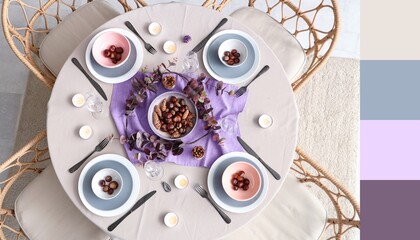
<point>329,107</point>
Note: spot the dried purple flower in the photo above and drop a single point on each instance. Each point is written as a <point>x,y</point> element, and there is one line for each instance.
<point>123,139</point>
<point>187,38</point>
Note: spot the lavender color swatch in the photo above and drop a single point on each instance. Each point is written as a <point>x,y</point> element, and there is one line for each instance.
<point>386,149</point>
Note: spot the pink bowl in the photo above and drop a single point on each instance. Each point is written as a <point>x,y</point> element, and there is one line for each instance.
<point>250,172</point>
<point>103,42</point>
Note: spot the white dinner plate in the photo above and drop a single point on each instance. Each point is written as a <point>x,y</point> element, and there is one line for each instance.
<point>230,75</point>
<point>214,183</point>
<point>128,193</point>
<point>123,72</point>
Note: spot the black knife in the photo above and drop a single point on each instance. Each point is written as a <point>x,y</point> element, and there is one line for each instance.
<point>253,153</point>
<point>203,42</point>
<point>137,205</point>
<point>93,82</point>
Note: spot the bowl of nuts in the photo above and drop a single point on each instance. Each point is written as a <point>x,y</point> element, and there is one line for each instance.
<point>241,181</point>
<point>172,116</point>
<point>169,81</point>
<point>111,49</point>
<point>107,183</point>
<point>233,52</point>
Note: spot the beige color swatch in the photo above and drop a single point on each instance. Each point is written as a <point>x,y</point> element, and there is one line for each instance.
<point>389,30</point>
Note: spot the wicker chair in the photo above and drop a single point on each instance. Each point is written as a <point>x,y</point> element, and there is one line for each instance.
<point>32,159</point>
<point>15,173</point>
<point>297,16</point>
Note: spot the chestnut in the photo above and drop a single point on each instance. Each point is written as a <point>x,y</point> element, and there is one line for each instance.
<point>102,183</point>
<point>119,50</point>
<point>113,185</point>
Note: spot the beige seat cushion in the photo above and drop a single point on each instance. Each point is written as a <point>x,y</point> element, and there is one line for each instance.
<point>63,39</point>
<point>286,47</point>
<point>294,214</point>
<point>45,212</point>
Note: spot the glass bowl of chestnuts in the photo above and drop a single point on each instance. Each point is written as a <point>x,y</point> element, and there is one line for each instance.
<point>107,183</point>
<point>233,52</point>
<point>172,115</point>
<point>111,49</point>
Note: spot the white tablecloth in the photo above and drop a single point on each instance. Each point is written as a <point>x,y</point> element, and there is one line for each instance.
<point>271,95</point>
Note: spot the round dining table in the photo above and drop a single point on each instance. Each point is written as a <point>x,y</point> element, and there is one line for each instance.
<point>271,94</point>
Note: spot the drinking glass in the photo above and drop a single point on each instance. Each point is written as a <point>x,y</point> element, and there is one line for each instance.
<point>94,104</point>
<point>229,125</point>
<point>153,169</point>
<point>190,62</point>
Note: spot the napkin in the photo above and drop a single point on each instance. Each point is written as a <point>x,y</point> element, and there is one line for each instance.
<point>224,106</point>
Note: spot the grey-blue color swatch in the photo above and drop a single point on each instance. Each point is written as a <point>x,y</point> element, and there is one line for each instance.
<point>389,90</point>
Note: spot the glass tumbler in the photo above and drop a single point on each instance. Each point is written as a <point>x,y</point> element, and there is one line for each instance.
<point>190,64</point>
<point>94,104</point>
<point>229,125</point>
<point>153,169</point>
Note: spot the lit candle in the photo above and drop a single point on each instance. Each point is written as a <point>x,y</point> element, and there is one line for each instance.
<point>170,219</point>
<point>181,181</point>
<point>78,100</point>
<point>169,47</point>
<point>155,28</point>
<point>85,132</point>
<point>265,121</point>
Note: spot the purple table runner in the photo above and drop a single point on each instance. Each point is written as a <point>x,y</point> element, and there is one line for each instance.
<point>223,105</point>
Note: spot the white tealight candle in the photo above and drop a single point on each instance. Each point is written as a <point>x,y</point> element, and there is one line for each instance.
<point>169,47</point>
<point>85,132</point>
<point>155,28</point>
<point>181,181</point>
<point>78,100</point>
<point>265,121</point>
<point>170,219</point>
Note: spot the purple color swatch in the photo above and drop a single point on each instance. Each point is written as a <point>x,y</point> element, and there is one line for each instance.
<point>224,105</point>
<point>386,149</point>
<point>390,209</point>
